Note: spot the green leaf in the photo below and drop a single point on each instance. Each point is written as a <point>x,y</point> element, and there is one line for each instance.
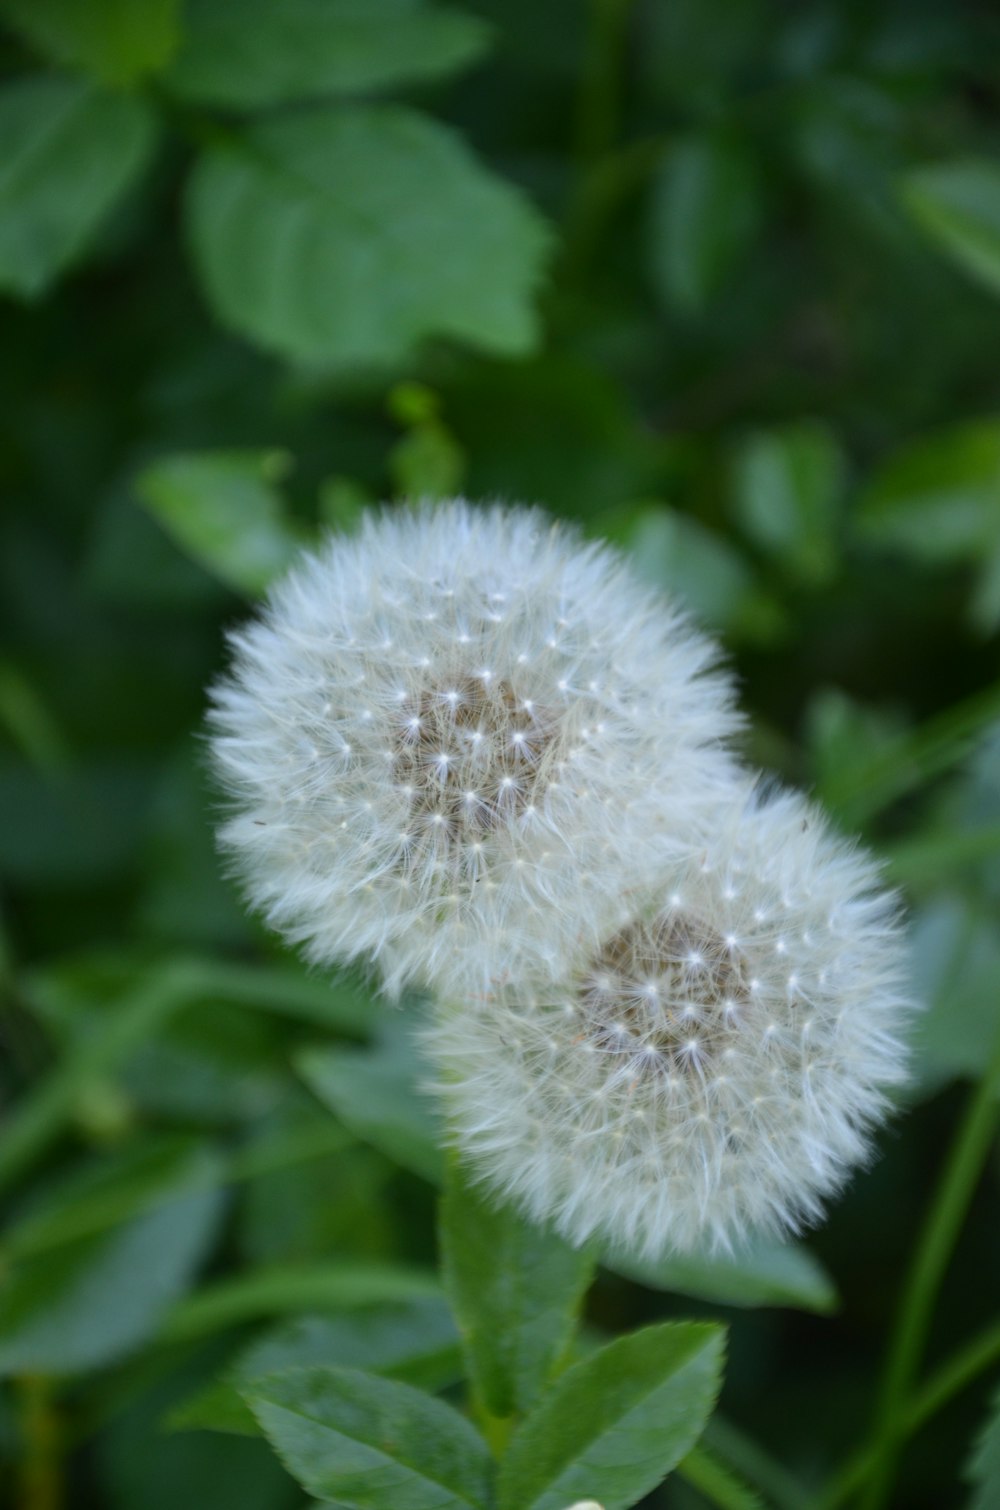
<point>108,1193</point>
<point>958,205</point>
<point>224,510</point>
<point>367,1443</point>
<point>376,1094</point>
<point>115,40</point>
<point>704,213</point>
<point>30,722</point>
<point>414,1341</point>
<point>938,499</point>
<point>346,236</point>
<point>295,1288</point>
<point>956,963</point>
<point>259,53</point>
<point>984,608</point>
<point>983,1467</point>
<point>842,735</point>
<point>611,1428</point>
<point>69,155</point>
<point>702,569</point>
<point>767,1273</point>
<point>95,1299</point>
<point>83,986</point>
<point>515,1290</point>
<point>788,485</point>
<point>909,759</point>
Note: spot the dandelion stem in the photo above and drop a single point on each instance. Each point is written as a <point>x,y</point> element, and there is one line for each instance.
<point>41,1482</point>
<point>755,1464</point>
<point>940,1234</point>
<point>716,1482</point>
<point>953,1376</point>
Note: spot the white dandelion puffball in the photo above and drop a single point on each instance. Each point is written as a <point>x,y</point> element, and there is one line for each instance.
<point>440,738</point>
<point>713,1067</point>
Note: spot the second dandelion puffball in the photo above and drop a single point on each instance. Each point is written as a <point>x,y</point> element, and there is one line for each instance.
<point>713,1066</point>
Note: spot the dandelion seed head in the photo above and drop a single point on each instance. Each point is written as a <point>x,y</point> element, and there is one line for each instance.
<point>735,1097</point>
<point>439,737</point>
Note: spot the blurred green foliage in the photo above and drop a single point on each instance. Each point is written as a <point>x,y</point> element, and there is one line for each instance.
<point>717,279</point>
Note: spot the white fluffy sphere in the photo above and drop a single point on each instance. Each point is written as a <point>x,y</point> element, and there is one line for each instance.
<point>440,737</point>
<point>713,1065</point>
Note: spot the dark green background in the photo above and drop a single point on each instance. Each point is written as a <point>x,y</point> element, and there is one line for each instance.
<point>749,331</point>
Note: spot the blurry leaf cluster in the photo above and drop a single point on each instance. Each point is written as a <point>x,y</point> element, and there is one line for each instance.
<point>718,280</point>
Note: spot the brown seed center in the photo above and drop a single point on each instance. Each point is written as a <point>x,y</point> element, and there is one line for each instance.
<point>666,995</point>
<point>468,753</point>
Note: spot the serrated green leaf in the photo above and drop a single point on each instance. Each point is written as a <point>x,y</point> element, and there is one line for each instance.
<point>767,1273</point>
<point>983,1467</point>
<point>611,1428</point>
<point>295,1288</point>
<point>366,1443</point>
<point>515,1290</point>
<point>96,1298</point>
<point>346,236</point>
<point>788,485</point>
<point>704,213</point>
<point>414,1341</point>
<point>69,154</point>
<point>259,53</point>
<point>224,509</point>
<point>958,205</point>
<point>376,1095</point>
<point>115,40</point>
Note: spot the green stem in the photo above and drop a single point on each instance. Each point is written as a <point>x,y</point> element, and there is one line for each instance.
<point>744,1454</point>
<point>496,1429</point>
<point>940,1234</point>
<point>716,1482</point>
<point>960,1370</point>
<point>41,1481</point>
<point>953,1376</point>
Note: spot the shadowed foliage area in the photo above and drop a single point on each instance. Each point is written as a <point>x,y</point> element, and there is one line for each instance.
<point>715,280</point>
